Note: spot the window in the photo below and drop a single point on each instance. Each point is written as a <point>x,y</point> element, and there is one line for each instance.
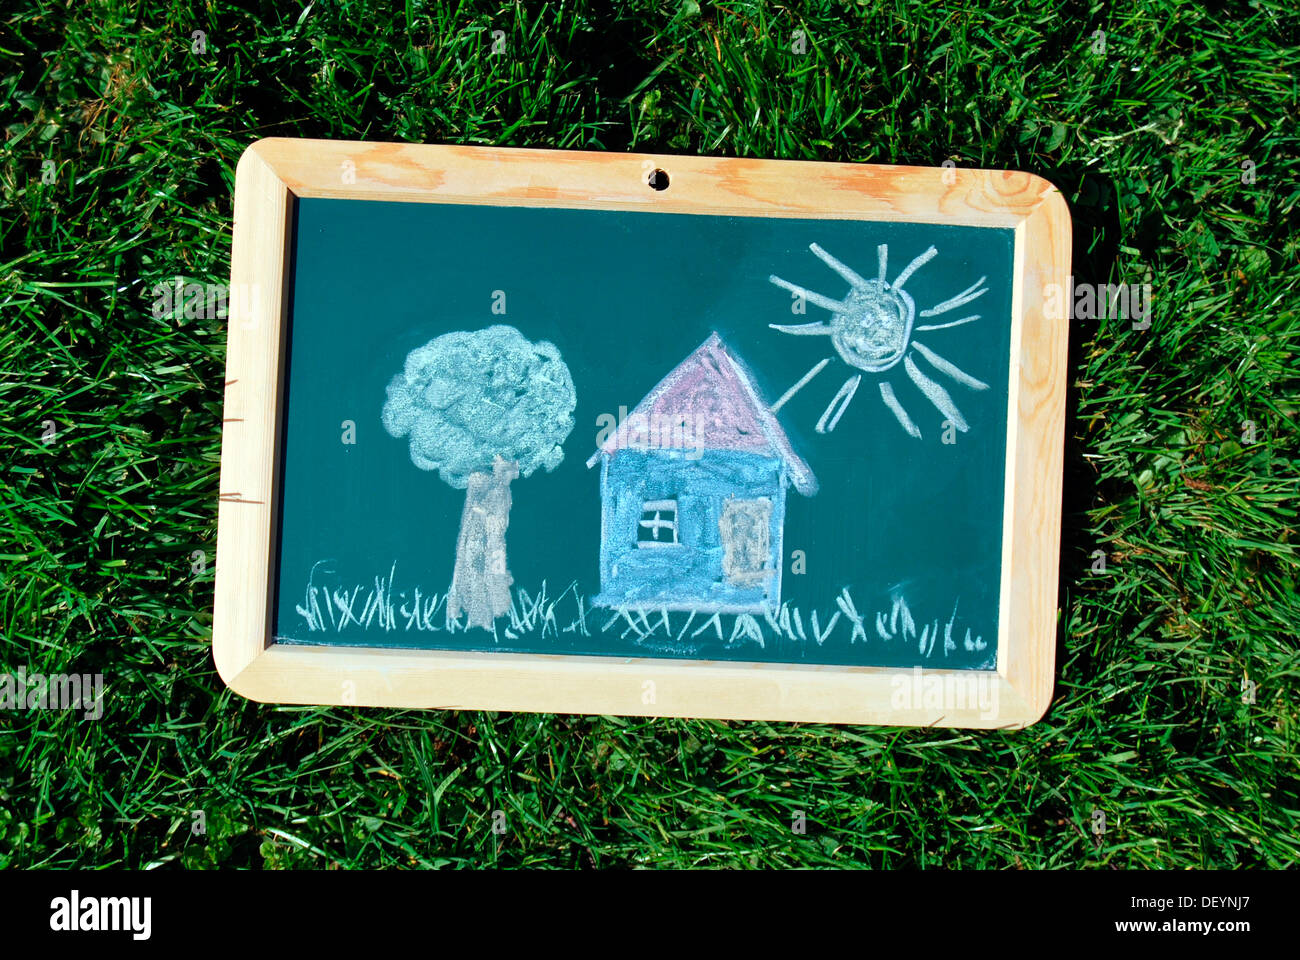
<point>658,524</point>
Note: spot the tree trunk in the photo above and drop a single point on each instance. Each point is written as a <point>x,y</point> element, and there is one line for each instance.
<point>480,584</point>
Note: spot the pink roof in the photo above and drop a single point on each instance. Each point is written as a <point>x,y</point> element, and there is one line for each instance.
<point>712,393</point>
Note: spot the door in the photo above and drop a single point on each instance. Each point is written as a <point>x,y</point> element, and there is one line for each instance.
<point>746,527</point>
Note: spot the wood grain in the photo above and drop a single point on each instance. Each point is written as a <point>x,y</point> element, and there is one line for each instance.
<point>246,518</point>
<point>617,181</point>
<point>1033,526</point>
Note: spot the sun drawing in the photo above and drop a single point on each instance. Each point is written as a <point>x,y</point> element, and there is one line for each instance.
<point>871,329</point>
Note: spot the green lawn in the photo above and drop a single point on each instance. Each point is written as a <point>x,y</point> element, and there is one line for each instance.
<point>1175,721</point>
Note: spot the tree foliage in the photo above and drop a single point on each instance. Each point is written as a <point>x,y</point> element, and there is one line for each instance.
<point>465,398</point>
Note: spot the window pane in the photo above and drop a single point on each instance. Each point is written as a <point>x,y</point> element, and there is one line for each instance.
<point>658,523</point>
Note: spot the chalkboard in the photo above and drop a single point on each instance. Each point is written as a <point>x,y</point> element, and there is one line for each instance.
<point>899,548</point>
<point>550,428</point>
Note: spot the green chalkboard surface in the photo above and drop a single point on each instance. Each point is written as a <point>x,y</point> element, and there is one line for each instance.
<point>737,438</point>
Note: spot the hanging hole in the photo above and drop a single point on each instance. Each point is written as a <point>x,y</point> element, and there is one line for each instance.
<point>658,180</point>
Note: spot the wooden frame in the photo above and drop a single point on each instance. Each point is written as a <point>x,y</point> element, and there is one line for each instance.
<point>273,172</point>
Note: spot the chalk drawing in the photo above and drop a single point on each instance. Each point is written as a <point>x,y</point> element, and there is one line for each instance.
<point>745,528</point>
<point>714,509</point>
<point>654,628</point>
<point>872,330</point>
<point>482,408</point>
<point>398,611</point>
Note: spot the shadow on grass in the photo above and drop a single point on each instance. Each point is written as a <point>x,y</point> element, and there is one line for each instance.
<point>1095,238</point>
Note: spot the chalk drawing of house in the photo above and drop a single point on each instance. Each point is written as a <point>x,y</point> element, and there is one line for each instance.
<point>692,487</point>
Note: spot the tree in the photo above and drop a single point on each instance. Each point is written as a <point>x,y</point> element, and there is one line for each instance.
<point>482,408</point>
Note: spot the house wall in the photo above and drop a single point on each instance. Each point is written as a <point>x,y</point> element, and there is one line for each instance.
<point>687,576</point>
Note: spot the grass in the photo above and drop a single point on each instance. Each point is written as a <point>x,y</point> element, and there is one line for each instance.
<point>1175,712</point>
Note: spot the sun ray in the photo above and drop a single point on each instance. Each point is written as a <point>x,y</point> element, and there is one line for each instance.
<point>835,306</point>
<point>882,252</point>
<point>800,385</point>
<point>945,366</point>
<point>849,275</point>
<point>891,401</point>
<point>963,298</point>
<point>912,267</point>
<point>944,326</point>
<point>936,395</point>
<point>841,399</point>
<point>817,329</point>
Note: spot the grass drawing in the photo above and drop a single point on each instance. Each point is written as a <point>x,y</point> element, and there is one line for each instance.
<point>386,606</point>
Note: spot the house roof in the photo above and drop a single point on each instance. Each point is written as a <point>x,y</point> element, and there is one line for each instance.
<point>711,392</point>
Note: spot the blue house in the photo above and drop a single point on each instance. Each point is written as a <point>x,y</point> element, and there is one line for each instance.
<point>692,487</point>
